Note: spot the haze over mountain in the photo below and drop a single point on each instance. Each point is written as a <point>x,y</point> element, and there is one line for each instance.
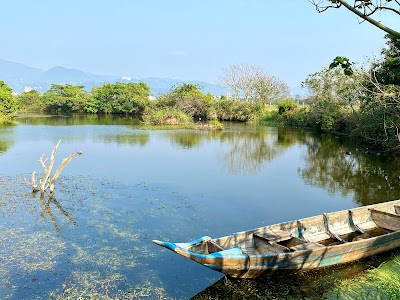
<point>19,76</point>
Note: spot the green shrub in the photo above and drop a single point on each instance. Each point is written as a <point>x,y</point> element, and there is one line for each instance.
<point>234,110</point>
<point>217,125</point>
<point>166,116</point>
<point>296,117</point>
<point>265,115</point>
<point>286,105</point>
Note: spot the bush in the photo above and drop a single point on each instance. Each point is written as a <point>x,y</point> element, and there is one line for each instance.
<point>166,116</point>
<point>217,125</point>
<point>189,99</point>
<point>286,105</point>
<point>296,117</point>
<point>234,110</point>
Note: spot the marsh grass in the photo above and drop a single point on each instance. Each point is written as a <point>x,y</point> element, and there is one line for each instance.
<point>379,283</point>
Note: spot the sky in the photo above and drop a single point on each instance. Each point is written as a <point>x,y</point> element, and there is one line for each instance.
<point>183,39</point>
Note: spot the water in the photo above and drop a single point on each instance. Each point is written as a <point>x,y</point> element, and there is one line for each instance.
<point>131,186</point>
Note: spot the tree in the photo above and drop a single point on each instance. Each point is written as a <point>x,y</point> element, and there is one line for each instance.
<point>250,82</point>
<point>267,89</point>
<point>65,98</point>
<point>118,98</point>
<point>240,79</point>
<point>29,100</point>
<point>388,69</point>
<point>8,103</point>
<point>332,95</point>
<point>365,9</point>
<point>188,98</point>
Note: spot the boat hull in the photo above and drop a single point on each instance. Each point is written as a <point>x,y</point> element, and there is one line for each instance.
<point>299,245</point>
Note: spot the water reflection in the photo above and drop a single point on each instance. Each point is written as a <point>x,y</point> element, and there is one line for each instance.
<point>47,210</point>
<point>328,164</point>
<point>76,119</point>
<point>117,215</point>
<point>6,142</point>
<point>131,139</point>
<point>249,151</point>
<point>192,139</point>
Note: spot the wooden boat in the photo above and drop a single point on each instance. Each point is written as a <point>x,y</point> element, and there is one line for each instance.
<point>314,242</point>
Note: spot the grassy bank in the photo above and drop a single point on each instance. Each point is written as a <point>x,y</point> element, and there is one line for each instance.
<point>380,283</point>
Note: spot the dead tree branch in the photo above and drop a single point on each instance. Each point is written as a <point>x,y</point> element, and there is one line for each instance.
<point>47,181</point>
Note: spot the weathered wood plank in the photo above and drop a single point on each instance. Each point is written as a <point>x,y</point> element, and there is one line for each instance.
<point>329,231</point>
<point>265,246</point>
<point>214,247</point>
<point>274,235</point>
<point>385,219</point>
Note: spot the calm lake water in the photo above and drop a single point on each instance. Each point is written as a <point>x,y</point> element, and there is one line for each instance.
<point>131,186</point>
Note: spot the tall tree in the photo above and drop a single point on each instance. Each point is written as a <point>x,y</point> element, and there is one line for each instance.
<point>8,103</point>
<point>65,98</point>
<point>118,98</point>
<point>29,100</point>
<point>250,82</point>
<point>388,69</point>
<point>365,9</point>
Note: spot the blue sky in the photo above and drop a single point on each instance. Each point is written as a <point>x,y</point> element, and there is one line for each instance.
<point>182,39</point>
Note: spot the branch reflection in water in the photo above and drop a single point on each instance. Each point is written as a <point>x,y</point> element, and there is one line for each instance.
<point>371,178</point>
<point>246,152</point>
<point>47,210</point>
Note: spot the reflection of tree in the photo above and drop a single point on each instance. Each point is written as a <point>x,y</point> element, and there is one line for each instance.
<point>5,138</point>
<point>249,146</point>
<point>77,119</point>
<point>250,150</point>
<point>131,139</point>
<point>47,211</point>
<point>192,139</point>
<point>371,179</point>
<point>287,137</point>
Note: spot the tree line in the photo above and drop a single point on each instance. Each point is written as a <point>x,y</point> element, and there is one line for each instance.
<point>253,92</point>
<point>361,101</point>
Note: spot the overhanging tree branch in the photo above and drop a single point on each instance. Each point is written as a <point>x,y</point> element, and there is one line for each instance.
<point>363,9</point>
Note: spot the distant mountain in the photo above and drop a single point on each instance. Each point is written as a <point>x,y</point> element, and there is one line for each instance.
<point>19,76</point>
<point>15,73</point>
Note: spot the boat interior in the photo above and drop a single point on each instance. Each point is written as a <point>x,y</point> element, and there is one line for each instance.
<point>319,231</point>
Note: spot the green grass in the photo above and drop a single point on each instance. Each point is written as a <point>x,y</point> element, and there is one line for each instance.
<point>380,283</point>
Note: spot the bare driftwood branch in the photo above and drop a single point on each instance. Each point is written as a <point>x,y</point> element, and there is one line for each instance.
<point>48,181</point>
<point>58,172</point>
<point>33,183</point>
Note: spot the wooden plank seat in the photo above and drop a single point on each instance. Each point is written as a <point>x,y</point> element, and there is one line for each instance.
<point>385,219</point>
<point>274,235</point>
<point>264,245</point>
<point>214,247</point>
<point>305,246</point>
